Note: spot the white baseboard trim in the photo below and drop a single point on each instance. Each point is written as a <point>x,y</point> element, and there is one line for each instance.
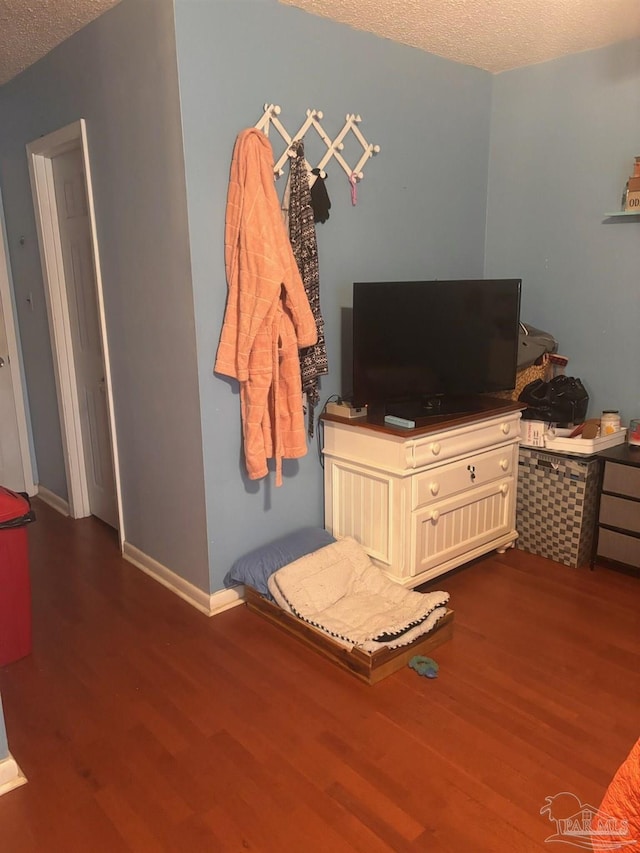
<point>224,599</point>
<point>208,604</point>
<point>10,775</point>
<point>185,590</point>
<point>53,500</point>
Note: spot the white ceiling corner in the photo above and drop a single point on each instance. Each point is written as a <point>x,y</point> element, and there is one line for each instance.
<point>29,29</point>
<point>495,35</point>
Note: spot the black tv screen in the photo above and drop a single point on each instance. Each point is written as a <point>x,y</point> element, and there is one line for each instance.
<point>423,341</point>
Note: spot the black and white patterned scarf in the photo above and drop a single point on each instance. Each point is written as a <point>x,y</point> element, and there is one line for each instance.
<point>302,233</point>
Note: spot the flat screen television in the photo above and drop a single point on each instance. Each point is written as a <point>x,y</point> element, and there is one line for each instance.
<point>423,348</point>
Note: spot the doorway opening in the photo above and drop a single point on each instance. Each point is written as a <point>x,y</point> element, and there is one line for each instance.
<point>65,221</point>
<point>16,471</point>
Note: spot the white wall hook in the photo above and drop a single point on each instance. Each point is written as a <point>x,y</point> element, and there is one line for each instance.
<point>334,146</point>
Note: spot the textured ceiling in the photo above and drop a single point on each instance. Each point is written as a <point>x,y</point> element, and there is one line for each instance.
<point>31,28</point>
<point>492,34</point>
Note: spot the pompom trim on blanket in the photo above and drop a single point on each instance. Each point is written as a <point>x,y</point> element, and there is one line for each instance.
<point>339,591</point>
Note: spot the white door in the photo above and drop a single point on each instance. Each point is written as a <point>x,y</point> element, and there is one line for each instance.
<point>15,456</point>
<point>11,473</point>
<point>77,255</point>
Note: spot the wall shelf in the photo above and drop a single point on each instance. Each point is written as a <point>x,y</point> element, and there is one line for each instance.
<point>622,213</point>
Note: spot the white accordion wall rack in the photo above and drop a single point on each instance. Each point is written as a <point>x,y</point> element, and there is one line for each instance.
<point>334,146</point>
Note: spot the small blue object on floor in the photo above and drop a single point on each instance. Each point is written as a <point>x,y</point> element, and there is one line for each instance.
<point>424,666</point>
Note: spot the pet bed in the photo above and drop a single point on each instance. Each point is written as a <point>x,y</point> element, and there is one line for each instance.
<point>340,591</point>
<point>368,667</point>
<point>337,602</point>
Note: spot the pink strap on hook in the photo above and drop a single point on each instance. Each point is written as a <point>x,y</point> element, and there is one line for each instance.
<point>354,190</point>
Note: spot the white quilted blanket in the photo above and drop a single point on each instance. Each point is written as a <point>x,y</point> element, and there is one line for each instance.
<point>340,591</point>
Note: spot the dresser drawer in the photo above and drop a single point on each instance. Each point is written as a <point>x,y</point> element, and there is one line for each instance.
<point>619,547</point>
<point>438,447</point>
<point>618,512</point>
<point>452,527</point>
<point>621,479</point>
<point>470,473</point>
<point>391,451</point>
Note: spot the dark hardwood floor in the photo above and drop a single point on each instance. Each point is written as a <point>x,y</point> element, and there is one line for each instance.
<point>143,725</point>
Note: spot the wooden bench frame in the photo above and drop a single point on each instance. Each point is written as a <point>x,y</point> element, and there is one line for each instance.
<point>368,667</point>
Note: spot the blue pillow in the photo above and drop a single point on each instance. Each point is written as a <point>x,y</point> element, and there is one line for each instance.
<point>256,567</point>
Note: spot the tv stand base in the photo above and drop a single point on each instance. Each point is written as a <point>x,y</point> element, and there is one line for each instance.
<point>424,502</point>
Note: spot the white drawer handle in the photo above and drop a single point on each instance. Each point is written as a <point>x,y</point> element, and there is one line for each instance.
<point>435,448</point>
<point>504,464</point>
<point>434,488</point>
<point>504,488</point>
<point>506,428</point>
<point>435,515</point>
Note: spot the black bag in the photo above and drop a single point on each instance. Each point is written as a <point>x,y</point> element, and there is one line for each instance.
<point>563,399</point>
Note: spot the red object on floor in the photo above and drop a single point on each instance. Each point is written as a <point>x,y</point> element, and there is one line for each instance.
<point>15,585</point>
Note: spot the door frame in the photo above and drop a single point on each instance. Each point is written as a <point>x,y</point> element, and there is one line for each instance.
<point>15,360</point>
<point>40,153</point>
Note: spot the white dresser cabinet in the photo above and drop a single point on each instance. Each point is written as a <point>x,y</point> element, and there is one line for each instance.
<point>423,501</point>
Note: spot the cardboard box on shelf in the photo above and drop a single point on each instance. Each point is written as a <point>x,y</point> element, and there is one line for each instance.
<point>633,195</point>
<point>534,432</point>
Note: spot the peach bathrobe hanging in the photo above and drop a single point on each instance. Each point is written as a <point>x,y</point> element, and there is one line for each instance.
<point>267,316</point>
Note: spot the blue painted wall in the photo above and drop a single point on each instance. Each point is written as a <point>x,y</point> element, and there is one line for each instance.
<point>508,175</point>
<point>420,210</point>
<point>564,135</point>
<point>120,74</point>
